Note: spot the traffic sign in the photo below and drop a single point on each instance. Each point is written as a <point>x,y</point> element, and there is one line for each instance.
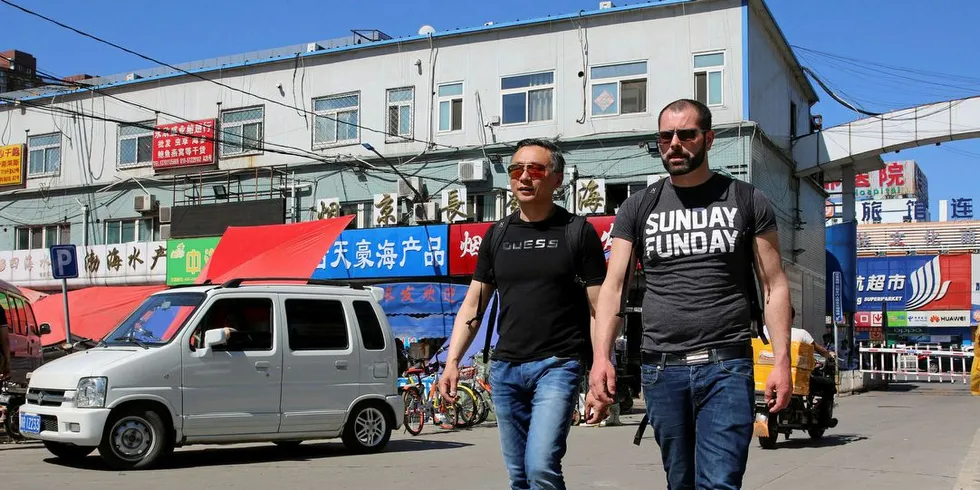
<point>64,262</point>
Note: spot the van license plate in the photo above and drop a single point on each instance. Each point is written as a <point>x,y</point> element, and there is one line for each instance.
<point>30,424</point>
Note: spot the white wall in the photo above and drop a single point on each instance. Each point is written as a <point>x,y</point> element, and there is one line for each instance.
<point>666,37</point>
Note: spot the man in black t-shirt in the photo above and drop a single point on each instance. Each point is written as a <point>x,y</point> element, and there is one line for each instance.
<point>545,317</point>
<point>697,241</point>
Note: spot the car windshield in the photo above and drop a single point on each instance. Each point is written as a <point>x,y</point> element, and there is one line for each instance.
<point>157,320</point>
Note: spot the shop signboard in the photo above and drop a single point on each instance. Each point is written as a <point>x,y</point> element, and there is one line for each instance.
<point>183,144</point>
<point>120,264</point>
<point>915,283</point>
<point>12,158</point>
<point>186,258</point>
<point>412,251</point>
<point>896,179</point>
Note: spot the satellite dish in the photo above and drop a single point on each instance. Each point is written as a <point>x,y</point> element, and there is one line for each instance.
<point>426,30</point>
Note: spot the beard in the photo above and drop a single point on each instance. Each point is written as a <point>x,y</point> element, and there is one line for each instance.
<point>690,163</point>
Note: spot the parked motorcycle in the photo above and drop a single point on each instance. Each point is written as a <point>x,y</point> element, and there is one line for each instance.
<point>812,411</point>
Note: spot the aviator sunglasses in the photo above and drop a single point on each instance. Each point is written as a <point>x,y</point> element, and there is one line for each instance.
<point>535,170</point>
<point>667,136</point>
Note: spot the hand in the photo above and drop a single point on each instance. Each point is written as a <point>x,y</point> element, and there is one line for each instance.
<point>778,390</point>
<point>602,382</point>
<point>448,382</point>
<point>595,411</point>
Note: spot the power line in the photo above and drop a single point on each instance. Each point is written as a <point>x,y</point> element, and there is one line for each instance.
<point>229,87</point>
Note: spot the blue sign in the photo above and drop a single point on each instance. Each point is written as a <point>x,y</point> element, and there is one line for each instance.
<point>64,262</point>
<point>842,257</point>
<point>415,251</point>
<point>903,283</point>
<point>419,298</point>
<point>961,208</point>
<point>838,299</point>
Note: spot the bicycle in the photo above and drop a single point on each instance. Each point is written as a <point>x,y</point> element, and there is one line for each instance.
<point>424,403</point>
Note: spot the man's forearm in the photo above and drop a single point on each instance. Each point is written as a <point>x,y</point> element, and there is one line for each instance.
<point>606,323</point>
<point>463,333</point>
<point>778,323</point>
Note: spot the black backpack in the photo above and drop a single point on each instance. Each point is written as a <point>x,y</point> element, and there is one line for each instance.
<point>573,239</point>
<point>744,200</point>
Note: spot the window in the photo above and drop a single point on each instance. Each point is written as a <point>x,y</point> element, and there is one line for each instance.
<point>336,121</point>
<point>135,145</point>
<point>316,324</point>
<point>708,71</point>
<point>792,119</point>
<point>482,207</point>
<point>18,306</point>
<point>241,131</point>
<point>42,236</point>
<point>367,320</point>
<point>619,89</point>
<point>130,230</point>
<point>13,321</point>
<point>400,110</point>
<point>527,98</point>
<point>451,107</point>
<point>44,155</point>
<point>250,317</point>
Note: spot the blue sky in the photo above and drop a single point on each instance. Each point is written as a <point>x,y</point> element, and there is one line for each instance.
<point>933,60</point>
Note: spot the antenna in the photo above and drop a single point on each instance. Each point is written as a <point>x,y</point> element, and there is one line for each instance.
<point>427,30</point>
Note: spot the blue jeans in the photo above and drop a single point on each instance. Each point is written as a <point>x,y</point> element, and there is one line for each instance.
<point>702,419</point>
<point>533,402</point>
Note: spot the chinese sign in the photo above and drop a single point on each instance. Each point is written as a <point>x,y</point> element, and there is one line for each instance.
<point>186,258</point>
<point>880,211</point>
<point>453,205</point>
<point>935,236</point>
<point>328,208</point>
<point>511,203</point>
<point>413,251</point>
<point>912,283</point>
<point>956,209</point>
<point>12,164</point>
<point>386,209</point>
<point>897,179</point>
<point>183,144</point>
<point>99,265</point>
<point>414,298</point>
<point>590,196</point>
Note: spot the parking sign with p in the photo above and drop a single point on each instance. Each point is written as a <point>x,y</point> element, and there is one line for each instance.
<point>64,262</point>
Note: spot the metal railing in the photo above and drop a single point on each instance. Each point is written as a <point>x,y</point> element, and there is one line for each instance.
<point>915,362</point>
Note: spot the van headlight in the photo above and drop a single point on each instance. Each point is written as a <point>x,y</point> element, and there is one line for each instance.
<point>91,392</point>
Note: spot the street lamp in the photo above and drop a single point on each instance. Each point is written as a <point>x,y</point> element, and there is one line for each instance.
<point>418,195</point>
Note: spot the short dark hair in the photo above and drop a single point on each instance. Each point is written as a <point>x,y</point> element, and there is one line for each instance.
<point>704,114</point>
<point>557,159</point>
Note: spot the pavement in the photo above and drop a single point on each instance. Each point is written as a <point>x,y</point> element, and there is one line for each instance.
<point>914,436</point>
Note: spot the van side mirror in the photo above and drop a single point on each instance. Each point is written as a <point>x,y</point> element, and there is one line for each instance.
<point>44,329</point>
<point>214,337</point>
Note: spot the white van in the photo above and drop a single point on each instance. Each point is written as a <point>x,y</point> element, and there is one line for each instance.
<point>224,364</point>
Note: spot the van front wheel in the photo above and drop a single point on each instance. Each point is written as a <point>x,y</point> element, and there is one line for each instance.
<point>134,439</point>
<point>368,428</point>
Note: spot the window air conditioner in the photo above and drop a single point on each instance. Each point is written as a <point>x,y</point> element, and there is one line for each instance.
<point>405,190</point>
<point>143,203</point>
<point>473,170</point>
<point>425,212</point>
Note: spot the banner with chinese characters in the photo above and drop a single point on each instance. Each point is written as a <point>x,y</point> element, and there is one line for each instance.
<point>12,165</point>
<point>417,298</point>
<point>465,241</point>
<point>956,209</point>
<point>590,196</point>
<point>385,210</point>
<point>897,179</point>
<point>412,251</point>
<point>454,205</point>
<point>882,211</point>
<point>123,264</point>
<point>184,144</point>
<point>186,258</point>
<point>915,283</point>
<point>932,237</point>
<point>328,208</point>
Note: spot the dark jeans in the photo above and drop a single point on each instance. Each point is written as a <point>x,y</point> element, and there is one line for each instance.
<point>533,402</point>
<point>702,419</point>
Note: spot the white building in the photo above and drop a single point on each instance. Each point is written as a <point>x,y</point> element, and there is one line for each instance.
<point>293,125</point>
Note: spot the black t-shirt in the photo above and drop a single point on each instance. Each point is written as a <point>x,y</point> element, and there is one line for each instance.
<point>694,262</point>
<point>543,312</point>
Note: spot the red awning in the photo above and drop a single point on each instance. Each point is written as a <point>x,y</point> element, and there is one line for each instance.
<point>32,295</point>
<point>94,311</point>
<point>291,250</point>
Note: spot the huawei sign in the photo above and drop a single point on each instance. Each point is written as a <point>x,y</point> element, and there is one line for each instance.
<point>941,283</point>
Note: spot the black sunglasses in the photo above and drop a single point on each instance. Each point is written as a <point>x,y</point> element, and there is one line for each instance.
<point>682,134</point>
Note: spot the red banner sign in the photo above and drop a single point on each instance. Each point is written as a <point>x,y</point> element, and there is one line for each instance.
<point>465,240</point>
<point>185,144</point>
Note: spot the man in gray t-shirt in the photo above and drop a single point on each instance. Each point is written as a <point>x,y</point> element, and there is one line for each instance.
<point>697,237</point>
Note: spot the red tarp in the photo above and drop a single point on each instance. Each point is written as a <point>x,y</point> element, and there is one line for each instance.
<point>94,311</point>
<point>32,295</point>
<point>291,250</point>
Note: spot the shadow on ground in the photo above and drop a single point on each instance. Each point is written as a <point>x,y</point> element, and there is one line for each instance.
<point>222,456</point>
<point>830,440</point>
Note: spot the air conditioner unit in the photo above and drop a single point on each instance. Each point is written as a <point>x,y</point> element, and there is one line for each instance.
<point>164,232</point>
<point>311,47</point>
<point>143,203</point>
<point>166,214</point>
<point>405,190</point>
<point>605,5</point>
<point>473,170</point>
<point>426,212</point>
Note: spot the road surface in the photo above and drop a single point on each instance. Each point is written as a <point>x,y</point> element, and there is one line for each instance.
<point>915,436</point>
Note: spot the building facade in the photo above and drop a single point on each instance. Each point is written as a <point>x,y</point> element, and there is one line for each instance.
<point>400,131</point>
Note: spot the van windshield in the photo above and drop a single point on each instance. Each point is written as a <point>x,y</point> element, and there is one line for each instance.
<point>157,320</point>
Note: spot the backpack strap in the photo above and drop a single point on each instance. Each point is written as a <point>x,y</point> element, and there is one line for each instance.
<point>744,198</point>
<point>497,233</point>
<point>651,196</point>
<point>574,232</point>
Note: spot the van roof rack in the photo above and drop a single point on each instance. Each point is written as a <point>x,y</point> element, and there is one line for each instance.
<point>236,282</point>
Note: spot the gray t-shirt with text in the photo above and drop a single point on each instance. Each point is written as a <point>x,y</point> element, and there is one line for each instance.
<point>695,264</point>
